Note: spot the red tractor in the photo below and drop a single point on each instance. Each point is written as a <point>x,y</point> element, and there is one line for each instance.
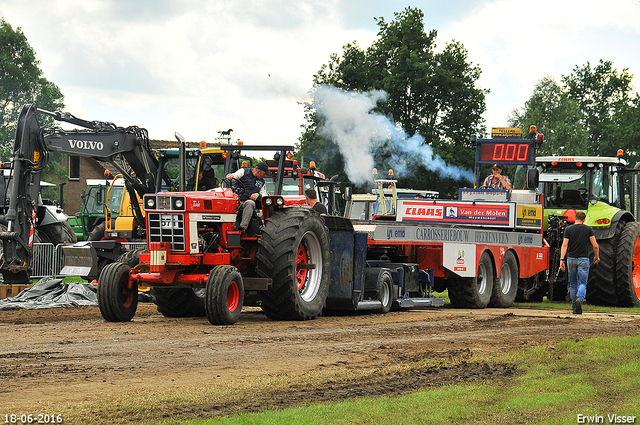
<point>197,264</point>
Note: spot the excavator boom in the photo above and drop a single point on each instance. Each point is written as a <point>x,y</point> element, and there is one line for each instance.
<point>127,149</point>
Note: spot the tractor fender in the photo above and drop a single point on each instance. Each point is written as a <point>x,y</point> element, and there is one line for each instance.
<point>621,216</point>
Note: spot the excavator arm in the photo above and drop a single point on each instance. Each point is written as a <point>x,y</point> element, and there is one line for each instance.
<point>127,149</point>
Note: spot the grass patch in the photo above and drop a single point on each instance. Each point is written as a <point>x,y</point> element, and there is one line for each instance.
<point>593,377</point>
<point>597,376</point>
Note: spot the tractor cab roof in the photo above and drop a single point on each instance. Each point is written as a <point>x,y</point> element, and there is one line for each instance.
<point>582,159</point>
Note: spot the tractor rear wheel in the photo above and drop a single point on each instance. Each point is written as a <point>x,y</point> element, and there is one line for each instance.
<point>601,285</point>
<point>97,233</point>
<point>178,302</point>
<point>628,266</point>
<point>294,253</point>
<point>224,295</point>
<point>506,286</point>
<point>117,296</point>
<point>474,292</point>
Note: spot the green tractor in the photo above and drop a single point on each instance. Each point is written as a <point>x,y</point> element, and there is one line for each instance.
<point>607,191</point>
<point>92,210</point>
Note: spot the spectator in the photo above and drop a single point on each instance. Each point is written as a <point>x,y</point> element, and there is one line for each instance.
<point>574,254</point>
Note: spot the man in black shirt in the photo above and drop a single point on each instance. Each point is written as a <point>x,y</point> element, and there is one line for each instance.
<point>312,200</point>
<point>574,255</point>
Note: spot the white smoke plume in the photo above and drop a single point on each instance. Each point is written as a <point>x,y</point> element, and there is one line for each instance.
<point>349,120</point>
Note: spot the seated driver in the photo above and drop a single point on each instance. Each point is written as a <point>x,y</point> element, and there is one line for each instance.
<point>205,182</point>
<point>496,180</point>
<point>252,179</point>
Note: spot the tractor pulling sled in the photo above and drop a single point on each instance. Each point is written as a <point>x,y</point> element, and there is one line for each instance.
<point>301,263</point>
<point>298,262</point>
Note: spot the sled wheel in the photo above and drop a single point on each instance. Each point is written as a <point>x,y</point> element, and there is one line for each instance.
<point>294,252</point>
<point>506,286</point>
<point>117,296</point>
<point>474,292</point>
<point>385,289</point>
<point>224,295</point>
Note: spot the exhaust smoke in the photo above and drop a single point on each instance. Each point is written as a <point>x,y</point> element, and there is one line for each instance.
<point>359,132</point>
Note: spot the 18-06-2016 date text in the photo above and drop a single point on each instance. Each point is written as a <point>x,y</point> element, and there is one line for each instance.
<point>40,418</point>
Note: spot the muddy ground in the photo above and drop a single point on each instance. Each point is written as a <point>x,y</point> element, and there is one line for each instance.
<point>68,356</point>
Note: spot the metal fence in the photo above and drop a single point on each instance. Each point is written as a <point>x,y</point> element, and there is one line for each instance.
<point>48,260</point>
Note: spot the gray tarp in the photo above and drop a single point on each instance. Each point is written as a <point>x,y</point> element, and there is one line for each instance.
<point>50,292</point>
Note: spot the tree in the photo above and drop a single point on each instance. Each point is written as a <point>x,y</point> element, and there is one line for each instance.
<point>430,94</point>
<point>626,130</point>
<point>21,82</point>
<point>602,93</point>
<point>557,116</point>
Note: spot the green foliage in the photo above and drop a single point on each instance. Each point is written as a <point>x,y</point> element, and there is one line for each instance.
<point>593,112</point>
<point>601,92</point>
<point>430,93</point>
<point>21,82</point>
<point>557,116</point>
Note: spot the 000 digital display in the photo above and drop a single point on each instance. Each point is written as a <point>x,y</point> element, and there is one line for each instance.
<point>505,152</point>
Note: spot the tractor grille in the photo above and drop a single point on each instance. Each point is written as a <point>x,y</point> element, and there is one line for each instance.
<point>167,228</point>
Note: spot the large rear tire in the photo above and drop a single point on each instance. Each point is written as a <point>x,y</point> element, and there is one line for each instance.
<point>97,233</point>
<point>601,285</point>
<point>294,253</point>
<point>117,296</point>
<point>474,292</point>
<point>505,287</point>
<point>57,233</point>
<point>224,295</point>
<point>628,266</point>
<point>179,302</point>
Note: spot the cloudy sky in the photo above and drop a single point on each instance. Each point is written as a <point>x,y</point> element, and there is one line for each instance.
<point>202,66</point>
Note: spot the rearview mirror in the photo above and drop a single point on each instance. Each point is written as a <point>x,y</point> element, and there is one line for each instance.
<point>533,178</point>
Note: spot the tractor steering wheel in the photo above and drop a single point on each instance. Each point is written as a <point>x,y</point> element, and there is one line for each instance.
<point>238,190</point>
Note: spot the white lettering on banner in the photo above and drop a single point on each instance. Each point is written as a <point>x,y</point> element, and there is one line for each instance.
<point>442,234</point>
<point>86,144</point>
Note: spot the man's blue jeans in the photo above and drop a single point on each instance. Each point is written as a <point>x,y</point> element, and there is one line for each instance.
<point>578,274</point>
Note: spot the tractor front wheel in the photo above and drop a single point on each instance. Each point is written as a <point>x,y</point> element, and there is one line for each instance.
<point>224,295</point>
<point>117,295</point>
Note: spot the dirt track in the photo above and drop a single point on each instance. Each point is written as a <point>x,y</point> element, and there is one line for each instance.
<point>59,356</point>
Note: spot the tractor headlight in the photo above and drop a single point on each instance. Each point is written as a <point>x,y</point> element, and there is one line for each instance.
<point>268,201</point>
<point>179,203</point>
<point>151,203</point>
<point>280,201</point>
